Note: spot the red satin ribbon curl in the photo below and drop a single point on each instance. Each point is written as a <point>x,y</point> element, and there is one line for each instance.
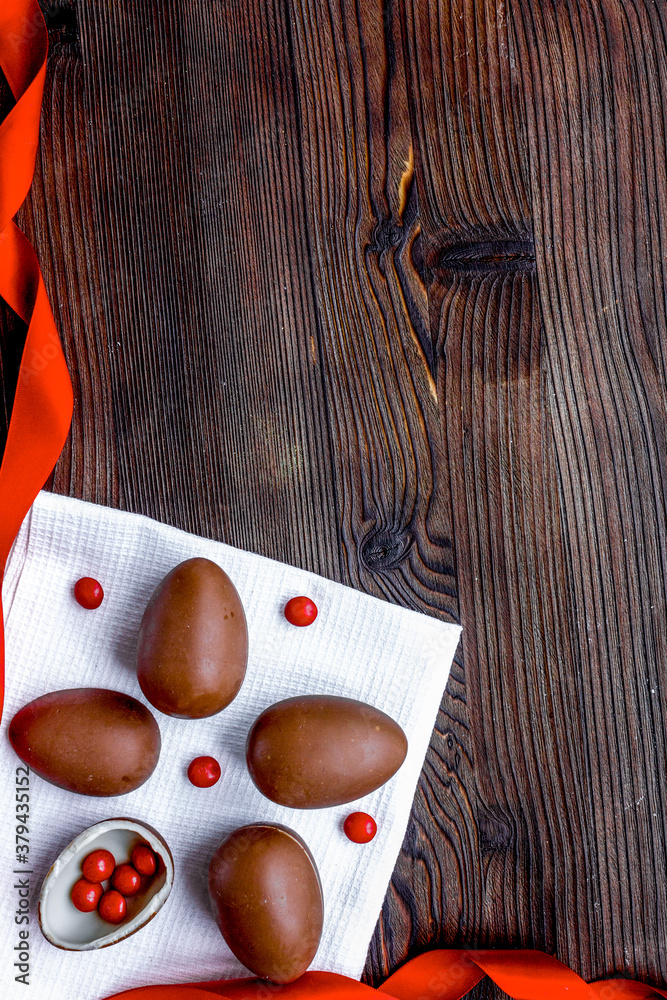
<point>38,429</point>
<point>42,409</point>
<point>436,975</point>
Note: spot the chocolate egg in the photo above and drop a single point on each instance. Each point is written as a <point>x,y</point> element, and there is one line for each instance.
<point>193,642</point>
<point>266,896</point>
<point>318,750</point>
<point>88,740</point>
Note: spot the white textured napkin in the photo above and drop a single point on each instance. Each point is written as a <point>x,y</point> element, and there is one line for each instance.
<point>358,647</point>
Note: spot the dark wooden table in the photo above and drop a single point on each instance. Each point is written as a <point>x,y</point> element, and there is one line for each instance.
<point>377,288</point>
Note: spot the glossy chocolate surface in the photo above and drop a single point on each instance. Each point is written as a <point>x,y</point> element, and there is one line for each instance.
<point>267,900</point>
<point>316,750</point>
<point>192,650</point>
<point>88,740</point>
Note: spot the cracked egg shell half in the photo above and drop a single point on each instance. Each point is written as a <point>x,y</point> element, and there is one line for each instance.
<point>66,927</point>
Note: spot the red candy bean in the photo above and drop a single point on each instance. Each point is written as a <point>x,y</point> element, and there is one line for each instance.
<point>98,865</point>
<point>144,860</point>
<point>360,827</point>
<point>86,895</point>
<point>112,907</point>
<point>88,593</point>
<point>301,611</point>
<point>204,772</point>
<point>126,879</point>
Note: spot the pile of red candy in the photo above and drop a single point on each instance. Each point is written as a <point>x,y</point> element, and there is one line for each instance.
<point>100,866</point>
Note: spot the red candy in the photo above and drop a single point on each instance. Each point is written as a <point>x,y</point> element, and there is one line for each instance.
<point>360,827</point>
<point>98,865</point>
<point>86,895</point>
<point>112,907</point>
<point>301,611</point>
<point>126,879</point>
<point>144,860</point>
<point>88,593</point>
<point>204,772</point>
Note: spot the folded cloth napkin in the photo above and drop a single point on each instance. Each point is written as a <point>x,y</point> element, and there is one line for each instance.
<point>358,647</point>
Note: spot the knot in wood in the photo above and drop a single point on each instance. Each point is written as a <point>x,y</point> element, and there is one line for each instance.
<point>450,753</point>
<point>387,235</point>
<point>489,257</point>
<point>495,833</point>
<point>61,21</point>
<point>385,549</point>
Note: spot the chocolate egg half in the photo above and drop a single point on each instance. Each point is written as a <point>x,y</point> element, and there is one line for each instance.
<point>317,750</point>
<point>68,928</point>
<point>88,740</point>
<point>192,650</point>
<point>267,900</point>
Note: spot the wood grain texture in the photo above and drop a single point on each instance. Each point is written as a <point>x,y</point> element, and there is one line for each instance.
<point>597,109</point>
<point>377,288</point>
<point>515,833</point>
<point>376,350</point>
<point>216,401</point>
<point>556,446</point>
<point>378,361</point>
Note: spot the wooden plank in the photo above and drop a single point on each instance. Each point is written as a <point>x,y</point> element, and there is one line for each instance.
<point>200,224</point>
<point>179,241</point>
<point>595,83</point>
<point>58,220</point>
<point>520,840</point>
<point>378,359</point>
<point>366,260</point>
<point>556,446</point>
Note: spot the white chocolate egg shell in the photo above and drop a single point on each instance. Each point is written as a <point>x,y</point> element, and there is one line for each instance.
<point>65,926</point>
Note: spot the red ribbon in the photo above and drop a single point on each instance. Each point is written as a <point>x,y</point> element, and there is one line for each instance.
<point>42,409</point>
<point>436,975</point>
<point>38,428</point>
